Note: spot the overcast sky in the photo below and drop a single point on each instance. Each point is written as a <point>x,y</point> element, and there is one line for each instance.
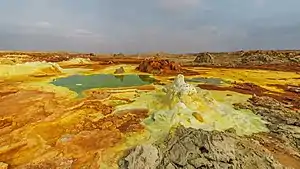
<point>132,26</point>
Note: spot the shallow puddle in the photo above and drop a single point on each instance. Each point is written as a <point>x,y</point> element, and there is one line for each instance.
<point>212,81</point>
<point>79,83</point>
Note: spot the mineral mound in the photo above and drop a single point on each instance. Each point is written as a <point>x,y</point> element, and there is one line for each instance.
<point>204,58</point>
<point>159,66</point>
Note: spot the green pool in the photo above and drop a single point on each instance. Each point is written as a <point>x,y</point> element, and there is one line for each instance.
<point>79,83</point>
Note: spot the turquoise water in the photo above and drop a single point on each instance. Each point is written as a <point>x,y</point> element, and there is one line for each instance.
<point>79,83</point>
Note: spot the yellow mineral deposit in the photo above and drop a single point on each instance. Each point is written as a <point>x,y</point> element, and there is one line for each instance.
<point>185,100</point>
<point>76,61</point>
<point>48,126</point>
<point>24,70</point>
<point>262,78</point>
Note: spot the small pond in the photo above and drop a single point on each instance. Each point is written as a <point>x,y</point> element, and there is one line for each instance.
<point>79,83</point>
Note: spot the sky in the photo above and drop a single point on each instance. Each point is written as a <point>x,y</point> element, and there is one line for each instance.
<point>136,26</point>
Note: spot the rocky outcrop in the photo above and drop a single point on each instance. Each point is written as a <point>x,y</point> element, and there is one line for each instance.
<point>159,66</point>
<point>92,54</point>
<point>262,57</point>
<point>293,89</point>
<point>193,149</point>
<point>272,110</point>
<point>142,156</point>
<point>283,121</point>
<point>119,70</point>
<point>204,58</point>
<point>295,59</point>
<point>265,52</point>
<point>118,55</point>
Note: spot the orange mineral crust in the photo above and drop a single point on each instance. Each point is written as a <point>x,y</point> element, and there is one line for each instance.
<point>36,126</point>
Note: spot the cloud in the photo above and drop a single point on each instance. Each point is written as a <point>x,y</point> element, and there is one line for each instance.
<point>43,24</point>
<point>178,5</point>
<point>139,26</point>
<point>202,38</point>
<point>259,3</point>
<point>84,34</point>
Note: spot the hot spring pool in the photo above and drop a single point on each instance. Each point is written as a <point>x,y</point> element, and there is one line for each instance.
<point>79,83</point>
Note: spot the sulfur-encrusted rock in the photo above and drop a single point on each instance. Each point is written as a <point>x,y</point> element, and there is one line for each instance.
<point>159,66</point>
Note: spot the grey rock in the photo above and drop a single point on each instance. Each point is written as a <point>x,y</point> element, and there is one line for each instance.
<point>274,111</point>
<point>204,58</point>
<point>295,59</point>
<point>119,70</point>
<point>283,122</point>
<point>257,58</point>
<point>141,157</point>
<point>178,154</point>
<point>170,166</point>
<point>193,149</point>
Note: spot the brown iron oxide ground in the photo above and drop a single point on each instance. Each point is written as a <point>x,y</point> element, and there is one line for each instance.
<point>41,130</point>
